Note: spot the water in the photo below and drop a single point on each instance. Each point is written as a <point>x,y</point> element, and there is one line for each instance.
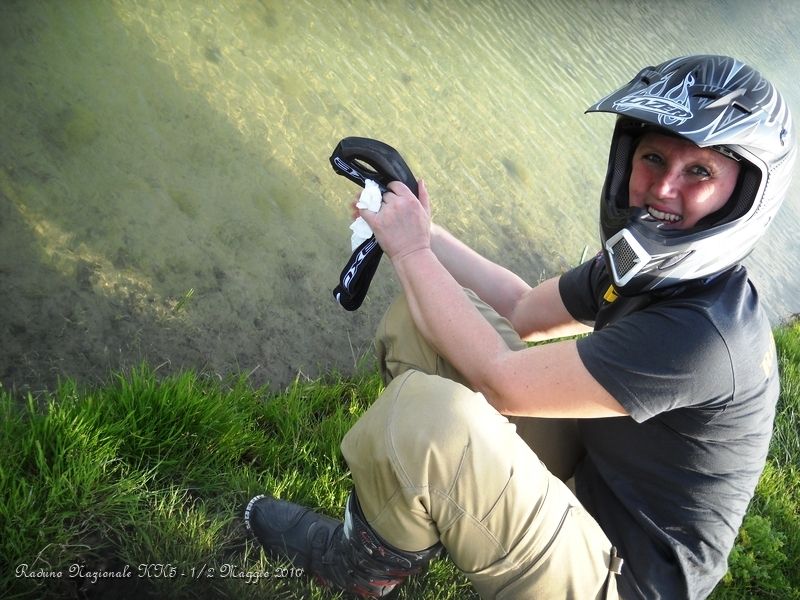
<point>164,183</point>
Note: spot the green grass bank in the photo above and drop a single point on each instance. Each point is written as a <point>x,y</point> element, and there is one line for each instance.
<point>136,489</point>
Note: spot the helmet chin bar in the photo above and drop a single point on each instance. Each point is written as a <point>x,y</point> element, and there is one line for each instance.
<point>627,256</point>
<point>629,259</point>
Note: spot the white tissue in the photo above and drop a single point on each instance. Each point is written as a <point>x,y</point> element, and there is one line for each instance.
<point>369,199</point>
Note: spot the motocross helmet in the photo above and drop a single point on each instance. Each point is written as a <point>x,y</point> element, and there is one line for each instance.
<point>715,102</point>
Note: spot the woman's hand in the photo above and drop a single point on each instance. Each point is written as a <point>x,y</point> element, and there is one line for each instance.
<point>403,225</point>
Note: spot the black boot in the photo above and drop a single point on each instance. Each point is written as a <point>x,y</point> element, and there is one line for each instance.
<point>347,555</point>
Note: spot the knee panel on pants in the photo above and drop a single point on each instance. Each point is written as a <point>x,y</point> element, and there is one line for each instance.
<point>431,452</point>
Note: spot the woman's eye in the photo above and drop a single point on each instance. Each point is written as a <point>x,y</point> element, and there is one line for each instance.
<point>700,171</point>
<point>652,158</point>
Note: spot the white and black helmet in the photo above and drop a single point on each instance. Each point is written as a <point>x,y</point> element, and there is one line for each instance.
<point>715,102</point>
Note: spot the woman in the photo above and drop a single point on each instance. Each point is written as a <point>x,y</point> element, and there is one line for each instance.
<point>673,392</point>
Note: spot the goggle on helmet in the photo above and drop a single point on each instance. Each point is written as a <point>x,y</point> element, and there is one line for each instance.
<point>715,102</point>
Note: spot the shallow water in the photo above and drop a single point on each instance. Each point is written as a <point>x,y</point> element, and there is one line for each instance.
<point>165,193</point>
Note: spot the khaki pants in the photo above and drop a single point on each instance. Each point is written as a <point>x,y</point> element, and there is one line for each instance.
<point>433,461</point>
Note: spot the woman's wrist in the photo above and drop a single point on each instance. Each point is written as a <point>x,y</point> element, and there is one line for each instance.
<point>402,258</point>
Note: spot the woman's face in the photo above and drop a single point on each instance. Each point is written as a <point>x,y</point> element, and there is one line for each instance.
<point>677,182</point>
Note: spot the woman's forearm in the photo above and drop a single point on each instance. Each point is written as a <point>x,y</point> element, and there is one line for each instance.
<point>446,317</point>
<point>494,284</point>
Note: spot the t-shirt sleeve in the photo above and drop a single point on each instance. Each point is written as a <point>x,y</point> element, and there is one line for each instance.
<point>578,291</point>
<point>661,359</point>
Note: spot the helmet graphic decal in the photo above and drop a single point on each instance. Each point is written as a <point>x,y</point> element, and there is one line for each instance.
<point>738,110</point>
<point>671,106</point>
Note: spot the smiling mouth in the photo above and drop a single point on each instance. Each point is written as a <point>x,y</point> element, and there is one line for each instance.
<point>664,216</point>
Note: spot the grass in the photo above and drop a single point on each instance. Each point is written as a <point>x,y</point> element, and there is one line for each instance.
<point>146,478</point>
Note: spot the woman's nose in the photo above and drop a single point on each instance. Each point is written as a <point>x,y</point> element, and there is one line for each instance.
<point>666,185</point>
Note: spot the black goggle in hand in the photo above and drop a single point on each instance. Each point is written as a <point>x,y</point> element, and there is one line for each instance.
<point>360,159</point>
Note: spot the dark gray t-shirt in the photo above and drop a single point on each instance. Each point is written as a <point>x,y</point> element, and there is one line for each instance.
<point>695,368</point>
